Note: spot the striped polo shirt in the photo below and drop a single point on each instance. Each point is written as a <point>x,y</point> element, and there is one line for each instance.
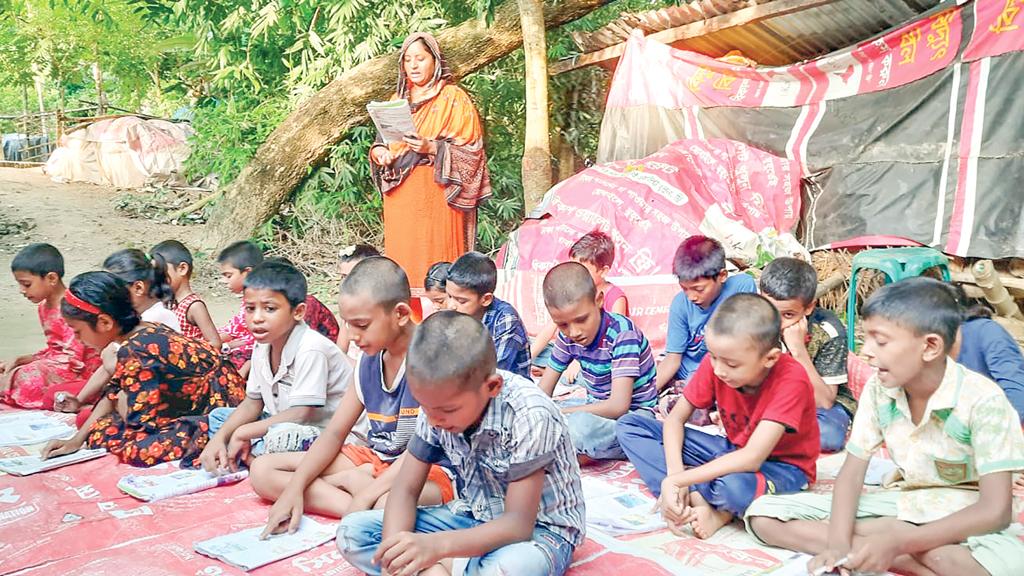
<point>619,350</point>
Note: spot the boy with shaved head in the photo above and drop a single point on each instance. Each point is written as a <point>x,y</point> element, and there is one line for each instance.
<point>521,506</point>
<point>616,365</point>
<point>767,408</point>
<point>334,478</point>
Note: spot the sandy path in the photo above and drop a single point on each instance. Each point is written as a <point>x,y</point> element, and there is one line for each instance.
<point>79,219</point>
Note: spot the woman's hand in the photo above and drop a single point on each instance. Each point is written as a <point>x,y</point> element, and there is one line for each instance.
<point>420,145</point>
<point>382,156</point>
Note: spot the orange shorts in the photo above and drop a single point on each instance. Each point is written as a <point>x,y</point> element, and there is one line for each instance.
<point>360,455</point>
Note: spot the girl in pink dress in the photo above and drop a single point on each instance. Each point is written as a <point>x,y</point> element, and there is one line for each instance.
<point>65,364</point>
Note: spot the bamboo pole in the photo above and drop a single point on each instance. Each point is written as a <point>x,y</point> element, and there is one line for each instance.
<point>989,281</point>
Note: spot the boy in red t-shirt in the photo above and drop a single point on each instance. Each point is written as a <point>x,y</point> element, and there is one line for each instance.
<point>766,404</point>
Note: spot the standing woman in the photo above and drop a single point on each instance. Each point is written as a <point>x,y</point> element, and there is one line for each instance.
<point>433,181</point>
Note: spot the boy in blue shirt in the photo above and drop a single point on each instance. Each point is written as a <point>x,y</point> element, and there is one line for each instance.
<point>699,264</point>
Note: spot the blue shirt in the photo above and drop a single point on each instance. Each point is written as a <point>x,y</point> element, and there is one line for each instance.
<point>521,432</point>
<point>509,334</point>
<point>686,323</point>
<point>391,413</point>
<point>988,349</point>
<point>619,350</point>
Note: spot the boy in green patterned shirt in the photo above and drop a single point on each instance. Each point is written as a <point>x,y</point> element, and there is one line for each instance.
<point>954,437</point>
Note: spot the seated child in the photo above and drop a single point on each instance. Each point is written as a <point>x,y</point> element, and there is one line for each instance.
<point>318,316</point>
<point>951,432</point>
<point>982,345</point>
<point>347,260</point>
<point>595,251</point>
<point>149,287</point>
<point>617,368</point>
<point>148,284</point>
<point>65,364</point>
<point>335,478</point>
<point>470,286</point>
<point>296,380</point>
<point>434,285</point>
<point>192,314</point>
<point>817,340</point>
<point>236,261</point>
<point>699,264</point>
<point>766,405</point>
<point>521,507</point>
<point>154,408</point>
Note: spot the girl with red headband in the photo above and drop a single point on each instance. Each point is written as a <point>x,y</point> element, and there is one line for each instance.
<point>154,408</point>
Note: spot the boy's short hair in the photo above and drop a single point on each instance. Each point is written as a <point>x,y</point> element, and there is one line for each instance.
<point>789,279</point>
<point>750,315</point>
<point>381,280</point>
<point>430,357</point>
<point>698,257</point>
<point>243,254</point>
<point>39,260</point>
<point>594,248</point>
<point>567,284</point>
<point>357,252</point>
<point>474,271</point>
<point>922,305</point>
<point>282,278</point>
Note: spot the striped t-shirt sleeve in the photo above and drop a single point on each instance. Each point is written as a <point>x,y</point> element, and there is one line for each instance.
<point>560,356</point>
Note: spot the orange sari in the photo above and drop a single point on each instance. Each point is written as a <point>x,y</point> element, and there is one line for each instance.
<point>430,203</point>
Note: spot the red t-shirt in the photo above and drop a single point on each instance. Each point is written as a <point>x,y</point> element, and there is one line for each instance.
<point>785,396</point>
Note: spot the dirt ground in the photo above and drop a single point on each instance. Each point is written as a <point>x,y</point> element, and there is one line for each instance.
<point>79,219</point>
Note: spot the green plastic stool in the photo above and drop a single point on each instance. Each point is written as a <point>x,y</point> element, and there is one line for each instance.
<point>896,264</point>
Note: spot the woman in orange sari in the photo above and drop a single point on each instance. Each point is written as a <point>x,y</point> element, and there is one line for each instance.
<point>432,181</point>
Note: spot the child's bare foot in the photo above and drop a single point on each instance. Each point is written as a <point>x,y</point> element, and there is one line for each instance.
<point>1018,486</point>
<point>585,460</point>
<point>706,520</point>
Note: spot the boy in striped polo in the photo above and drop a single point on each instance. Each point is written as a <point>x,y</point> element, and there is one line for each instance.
<point>617,368</point>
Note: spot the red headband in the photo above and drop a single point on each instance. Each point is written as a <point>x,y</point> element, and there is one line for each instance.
<point>77,302</point>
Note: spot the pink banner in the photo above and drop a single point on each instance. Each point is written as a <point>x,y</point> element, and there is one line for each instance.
<point>998,28</point>
<point>900,57</point>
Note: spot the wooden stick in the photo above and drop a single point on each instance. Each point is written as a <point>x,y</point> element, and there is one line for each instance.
<point>194,206</point>
<point>831,283</point>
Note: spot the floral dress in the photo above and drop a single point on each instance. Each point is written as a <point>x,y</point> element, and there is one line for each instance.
<point>171,383</point>
<point>320,318</point>
<point>65,365</point>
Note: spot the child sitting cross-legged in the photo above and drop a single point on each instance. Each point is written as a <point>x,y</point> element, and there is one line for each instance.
<point>617,368</point>
<point>296,380</point>
<point>470,284</point>
<point>767,409</point>
<point>956,442</point>
<point>62,368</point>
<point>817,340</point>
<point>335,478</point>
<point>162,386</point>
<point>521,507</point>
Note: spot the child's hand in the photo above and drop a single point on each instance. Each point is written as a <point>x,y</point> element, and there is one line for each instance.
<point>238,450</point>
<point>407,554</point>
<point>674,503</point>
<point>875,554</point>
<point>795,335</point>
<point>285,515</point>
<point>572,372</point>
<point>56,448</point>
<point>214,456</point>
<point>827,561</point>
<point>64,402</point>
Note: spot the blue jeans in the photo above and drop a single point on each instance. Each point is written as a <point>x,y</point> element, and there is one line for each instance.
<point>833,424</point>
<point>641,438</point>
<point>592,435</point>
<point>359,536</point>
<point>218,416</point>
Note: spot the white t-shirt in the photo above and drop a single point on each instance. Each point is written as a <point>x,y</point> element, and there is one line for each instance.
<point>313,372</point>
<point>159,314</point>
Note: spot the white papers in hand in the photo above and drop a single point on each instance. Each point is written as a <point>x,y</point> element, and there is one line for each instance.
<point>393,119</point>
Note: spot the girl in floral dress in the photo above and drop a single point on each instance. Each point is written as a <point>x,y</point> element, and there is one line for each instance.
<point>154,408</point>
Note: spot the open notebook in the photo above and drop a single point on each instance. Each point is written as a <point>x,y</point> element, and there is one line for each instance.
<point>244,550</point>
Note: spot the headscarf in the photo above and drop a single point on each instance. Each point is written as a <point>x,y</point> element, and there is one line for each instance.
<point>441,70</point>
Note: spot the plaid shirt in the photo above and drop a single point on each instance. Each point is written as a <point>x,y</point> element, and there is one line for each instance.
<point>522,431</point>
<point>510,342</point>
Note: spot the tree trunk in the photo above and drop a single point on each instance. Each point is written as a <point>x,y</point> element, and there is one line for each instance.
<point>101,98</point>
<point>566,159</point>
<point>537,148</point>
<point>304,138</point>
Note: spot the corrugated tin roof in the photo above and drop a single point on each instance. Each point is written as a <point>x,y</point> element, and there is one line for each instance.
<point>799,35</point>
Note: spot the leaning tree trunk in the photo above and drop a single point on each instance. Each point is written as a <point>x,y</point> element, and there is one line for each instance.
<point>304,138</point>
<point>537,148</point>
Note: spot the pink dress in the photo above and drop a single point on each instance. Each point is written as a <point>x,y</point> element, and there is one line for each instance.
<point>63,366</point>
<point>181,311</point>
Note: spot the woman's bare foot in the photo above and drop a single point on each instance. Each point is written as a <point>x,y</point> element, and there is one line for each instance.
<point>706,520</point>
